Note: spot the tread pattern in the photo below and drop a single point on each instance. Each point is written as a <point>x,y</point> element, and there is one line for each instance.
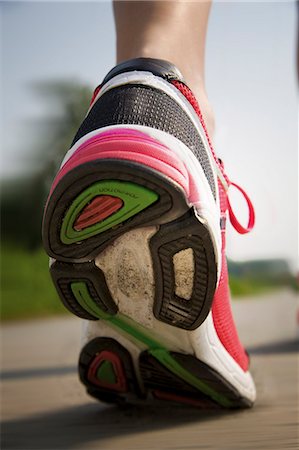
<point>64,274</point>
<point>184,233</point>
<point>181,234</point>
<point>158,383</point>
<point>157,377</point>
<point>87,355</point>
<point>171,204</point>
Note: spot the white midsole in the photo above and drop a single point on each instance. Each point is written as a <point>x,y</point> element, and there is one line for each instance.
<point>209,349</point>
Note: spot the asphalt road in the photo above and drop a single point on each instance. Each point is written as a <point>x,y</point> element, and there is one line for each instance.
<point>45,407</point>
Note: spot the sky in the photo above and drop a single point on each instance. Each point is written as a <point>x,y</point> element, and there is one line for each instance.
<point>251,83</point>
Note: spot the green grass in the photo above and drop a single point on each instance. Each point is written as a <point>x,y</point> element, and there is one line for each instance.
<point>27,290</point>
<point>26,287</point>
<point>241,287</point>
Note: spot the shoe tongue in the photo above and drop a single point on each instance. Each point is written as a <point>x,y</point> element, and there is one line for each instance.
<point>158,67</point>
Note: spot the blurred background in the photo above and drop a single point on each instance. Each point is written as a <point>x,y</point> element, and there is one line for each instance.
<point>55,53</point>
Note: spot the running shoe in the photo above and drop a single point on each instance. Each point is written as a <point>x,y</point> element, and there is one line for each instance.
<point>135,228</point>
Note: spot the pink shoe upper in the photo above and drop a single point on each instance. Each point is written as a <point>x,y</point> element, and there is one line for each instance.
<point>221,309</point>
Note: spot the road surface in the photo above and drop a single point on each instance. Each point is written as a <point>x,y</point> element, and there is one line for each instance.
<point>45,407</point>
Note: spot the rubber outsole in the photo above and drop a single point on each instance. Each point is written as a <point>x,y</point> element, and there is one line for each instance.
<point>125,371</point>
<point>64,275</point>
<point>186,233</point>
<point>156,382</point>
<point>171,204</point>
<point>179,229</point>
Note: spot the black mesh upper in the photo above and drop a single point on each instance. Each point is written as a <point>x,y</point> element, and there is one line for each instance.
<point>143,105</point>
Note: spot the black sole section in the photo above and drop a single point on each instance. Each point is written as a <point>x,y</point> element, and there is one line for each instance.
<point>126,386</point>
<point>65,274</point>
<point>167,385</point>
<point>185,233</point>
<point>164,384</point>
<point>158,384</point>
<point>212,378</point>
<point>170,205</point>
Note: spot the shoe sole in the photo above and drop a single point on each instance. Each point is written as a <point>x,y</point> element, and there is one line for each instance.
<point>101,194</point>
<point>107,370</point>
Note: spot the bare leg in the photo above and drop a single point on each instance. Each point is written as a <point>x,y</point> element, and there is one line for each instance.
<point>170,30</point>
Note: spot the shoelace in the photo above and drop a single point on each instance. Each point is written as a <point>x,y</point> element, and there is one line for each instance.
<point>232,217</point>
<point>185,90</point>
<point>234,221</point>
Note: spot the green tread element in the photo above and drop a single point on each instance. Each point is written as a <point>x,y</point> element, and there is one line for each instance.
<point>141,335</point>
<point>138,332</point>
<point>106,372</point>
<point>135,197</point>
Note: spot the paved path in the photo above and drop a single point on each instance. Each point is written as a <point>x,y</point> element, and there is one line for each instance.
<point>45,407</point>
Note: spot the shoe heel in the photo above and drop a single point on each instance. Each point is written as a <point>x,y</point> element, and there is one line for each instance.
<point>108,186</point>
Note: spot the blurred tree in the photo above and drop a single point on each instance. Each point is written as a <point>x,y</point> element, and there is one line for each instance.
<point>23,199</point>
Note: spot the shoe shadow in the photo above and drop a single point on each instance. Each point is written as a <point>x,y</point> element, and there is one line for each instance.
<point>77,426</point>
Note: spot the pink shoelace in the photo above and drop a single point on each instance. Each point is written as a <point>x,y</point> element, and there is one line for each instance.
<point>232,217</point>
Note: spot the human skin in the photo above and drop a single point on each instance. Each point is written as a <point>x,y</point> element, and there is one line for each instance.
<point>170,30</point>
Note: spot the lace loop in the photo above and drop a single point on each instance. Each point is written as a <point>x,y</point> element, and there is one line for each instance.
<point>234,221</point>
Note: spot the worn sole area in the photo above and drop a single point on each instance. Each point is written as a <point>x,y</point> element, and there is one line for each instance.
<point>96,204</point>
